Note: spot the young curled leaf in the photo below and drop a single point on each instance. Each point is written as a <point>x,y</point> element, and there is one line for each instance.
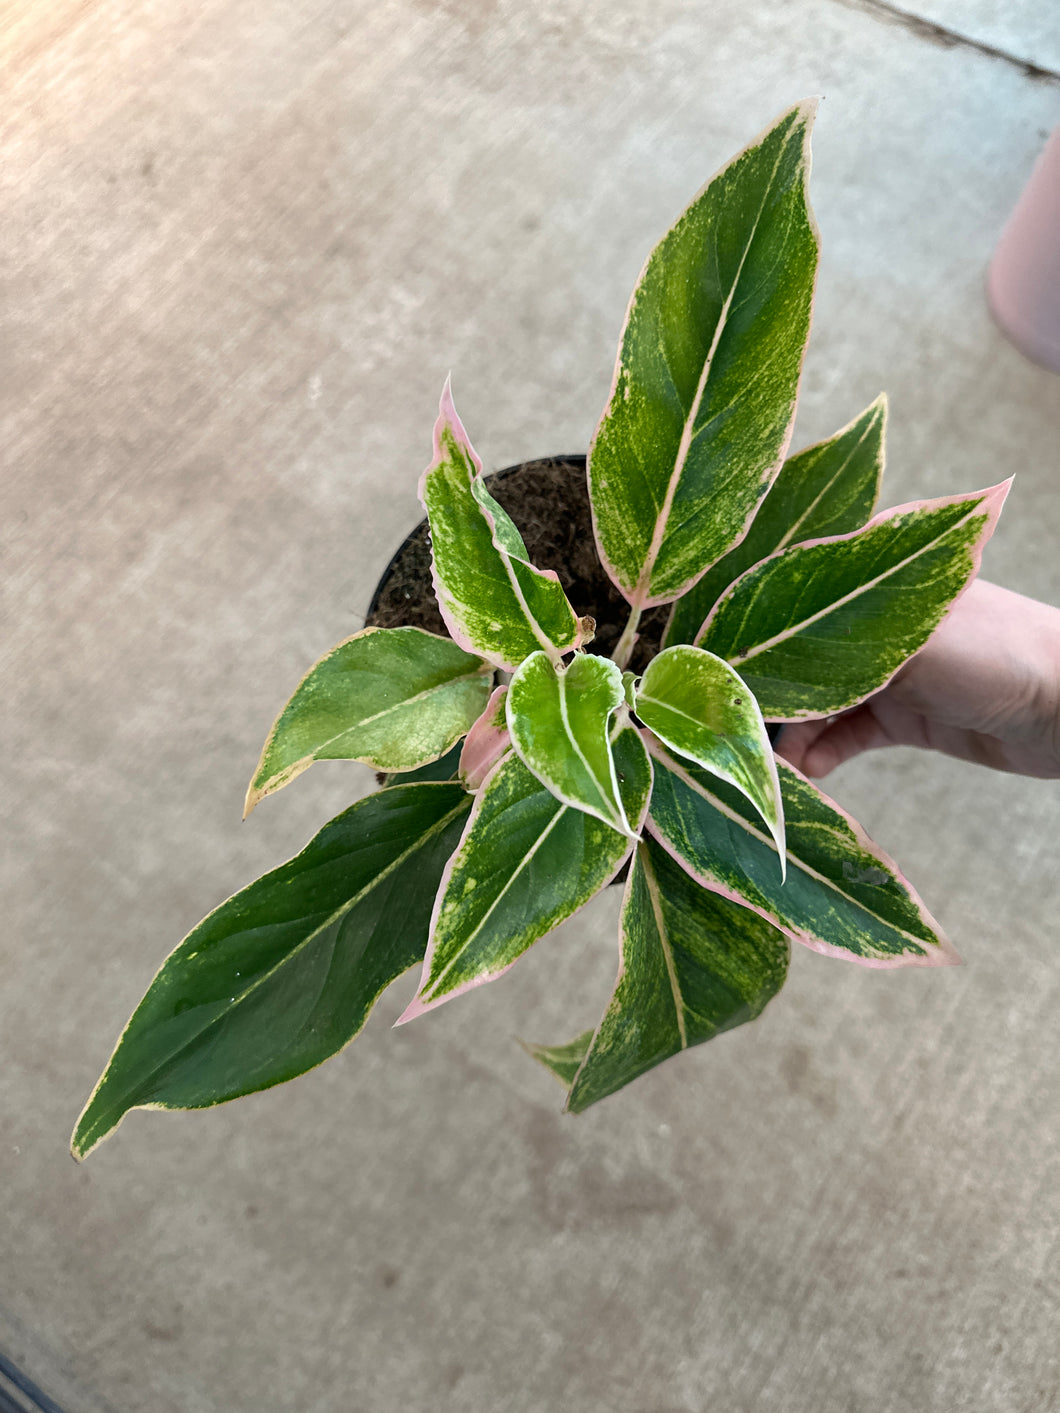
<point>560,723</point>
<point>485,743</point>
<point>494,602</point>
<point>393,698</point>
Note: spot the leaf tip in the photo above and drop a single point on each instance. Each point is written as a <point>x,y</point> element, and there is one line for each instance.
<point>947,955</point>
<point>415,1008</point>
<point>446,408</point>
<point>81,1141</point>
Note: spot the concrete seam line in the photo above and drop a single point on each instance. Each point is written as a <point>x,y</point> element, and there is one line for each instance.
<point>948,38</point>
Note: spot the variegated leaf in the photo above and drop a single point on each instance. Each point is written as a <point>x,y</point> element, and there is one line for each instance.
<point>563,1061</point>
<point>821,626</point>
<point>493,601</point>
<point>693,965</point>
<point>704,390</point>
<point>559,719</point>
<point>485,743</point>
<point>826,489</point>
<point>444,768</point>
<point>283,975</point>
<point>525,864</point>
<point>394,698</point>
<point>698,706</point>
<point>843,895</point>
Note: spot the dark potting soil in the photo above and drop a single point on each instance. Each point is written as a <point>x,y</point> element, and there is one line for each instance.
<point>549,502</point>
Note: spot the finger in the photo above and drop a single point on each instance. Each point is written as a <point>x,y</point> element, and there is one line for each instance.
<point>797,738</point>
<point>837,740</point>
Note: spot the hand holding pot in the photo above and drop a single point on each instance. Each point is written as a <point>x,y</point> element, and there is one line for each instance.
<point>985,688</point>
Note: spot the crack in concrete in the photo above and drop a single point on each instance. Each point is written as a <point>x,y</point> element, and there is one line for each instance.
<point>949,39</point>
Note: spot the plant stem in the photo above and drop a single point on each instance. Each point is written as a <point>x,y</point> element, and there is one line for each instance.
<point>624,651</point>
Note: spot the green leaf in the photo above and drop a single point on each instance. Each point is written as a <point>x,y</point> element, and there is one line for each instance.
<point>283,975</point>
<point>698,706</point>
<point>444,768</point>
<point>493,601</point>
<point>704,388</point>
<point>843,895</point>
<point>693,965</point>
<point>525,864</point>
<point>559,720</point>
<point>563,1061</point>
<point>823,625</point>
<point>394,698</point>
<point>827,489</point>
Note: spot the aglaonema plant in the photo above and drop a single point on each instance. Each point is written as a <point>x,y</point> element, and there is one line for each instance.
<point>791,600</point>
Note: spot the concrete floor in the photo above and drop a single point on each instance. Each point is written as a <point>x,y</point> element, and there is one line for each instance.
<point>246,241</point>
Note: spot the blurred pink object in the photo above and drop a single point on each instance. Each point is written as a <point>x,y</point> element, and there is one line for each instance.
<point>1023,285</point>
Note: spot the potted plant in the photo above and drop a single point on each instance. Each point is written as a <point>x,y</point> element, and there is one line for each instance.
<point>777,595</point>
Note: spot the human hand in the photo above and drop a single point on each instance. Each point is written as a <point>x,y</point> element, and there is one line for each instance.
<point>985,688</point>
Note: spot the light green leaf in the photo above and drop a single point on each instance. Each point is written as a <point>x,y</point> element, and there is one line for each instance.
<point>493,601</point>
<point>843,895</point>
<point>693,965</point>
<point>394,698</point>
<point>698,706</point>
<point>563,1061</point>
<point>704,389</point>
<point>525,864</point>
<point>444,768</point>
<point>827,489</point>
<point>283,975</point>
<point>559,720</point>
<point>822,626</point>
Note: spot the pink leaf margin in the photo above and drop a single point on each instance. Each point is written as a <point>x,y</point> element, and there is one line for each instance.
<point>449,420</point>
<point>944,954</point>
<point>992,498</point>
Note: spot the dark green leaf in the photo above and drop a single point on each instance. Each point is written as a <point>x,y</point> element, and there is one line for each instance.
<point>693,965</point>
<point>843,895</point>
<point>284,974</point>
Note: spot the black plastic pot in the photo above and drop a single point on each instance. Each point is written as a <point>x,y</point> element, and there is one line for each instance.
<point>549,502</point>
